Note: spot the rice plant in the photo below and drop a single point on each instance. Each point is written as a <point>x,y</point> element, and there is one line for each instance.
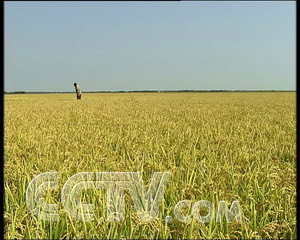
<point>217,146</point>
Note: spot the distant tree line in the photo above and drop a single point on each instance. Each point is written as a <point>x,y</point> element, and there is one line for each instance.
<point>15,92</point>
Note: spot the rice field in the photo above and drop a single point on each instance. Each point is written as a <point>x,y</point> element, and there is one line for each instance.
<point>217,146</point>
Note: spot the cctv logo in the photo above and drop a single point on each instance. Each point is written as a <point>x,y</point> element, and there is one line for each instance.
<point>115,183</point>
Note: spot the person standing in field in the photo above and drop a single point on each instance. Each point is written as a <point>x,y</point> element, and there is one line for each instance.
<point>78,91</point>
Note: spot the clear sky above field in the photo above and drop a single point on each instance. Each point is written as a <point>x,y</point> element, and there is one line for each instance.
<point>149,45</point>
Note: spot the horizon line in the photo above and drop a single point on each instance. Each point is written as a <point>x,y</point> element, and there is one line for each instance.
<point>137,91</point>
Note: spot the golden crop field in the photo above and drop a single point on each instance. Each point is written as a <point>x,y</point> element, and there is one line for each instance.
<point>217,146</point>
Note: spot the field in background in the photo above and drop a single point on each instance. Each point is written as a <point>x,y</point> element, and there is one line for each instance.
<point>217,146</point>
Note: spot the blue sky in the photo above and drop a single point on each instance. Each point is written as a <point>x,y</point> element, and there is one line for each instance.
<point>149,46</point>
